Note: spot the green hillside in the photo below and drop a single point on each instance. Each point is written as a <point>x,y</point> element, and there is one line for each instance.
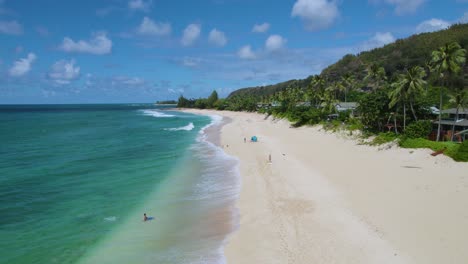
<point>396,57</point>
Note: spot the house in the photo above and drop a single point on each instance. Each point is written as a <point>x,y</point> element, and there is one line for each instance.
<point>463,134</point>
<point>303,104</point>
<point>461,124</point>
<point>346,106</point>
<point>462,113</point>
<point>434,110</point>
<point>263,105</point>
<point>275,104</point>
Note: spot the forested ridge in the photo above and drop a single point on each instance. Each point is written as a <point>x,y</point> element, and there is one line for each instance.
<point>394,58</point>
<point>395,92</point>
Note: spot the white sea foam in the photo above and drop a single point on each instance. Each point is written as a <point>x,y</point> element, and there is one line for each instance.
<point>188,127</point>
<point>215,120</point>
<point>155,113</point>
<point>111,218</point>
<point>219,182</point>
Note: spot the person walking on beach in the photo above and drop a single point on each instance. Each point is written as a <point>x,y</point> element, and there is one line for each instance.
<point>145,218</point>
<point>269,158</point>
<point>245,140</point>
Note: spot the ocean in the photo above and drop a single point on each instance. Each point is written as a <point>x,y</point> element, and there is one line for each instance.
<point>75,181</point>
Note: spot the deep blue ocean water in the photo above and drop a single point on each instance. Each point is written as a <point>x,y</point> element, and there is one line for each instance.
<point>75,181</point>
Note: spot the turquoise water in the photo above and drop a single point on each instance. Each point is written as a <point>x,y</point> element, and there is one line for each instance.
<point>75,181</point>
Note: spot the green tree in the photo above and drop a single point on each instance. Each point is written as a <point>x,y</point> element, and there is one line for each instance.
<point>212,99</point>
<point>317,88</point>
<point>201,103</point>
<point>460,99</point>
<point>221,104</point>
<point>406,88</point>
<point>374,110</point>
<point>348,81</point>
<point>447,61</point>
<point>183,102</point>
<point>376,76</point>
<point>328,99</point>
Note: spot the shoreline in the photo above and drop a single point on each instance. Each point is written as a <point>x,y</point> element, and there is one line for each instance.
<point>192,211</point>
<point>326,199</point>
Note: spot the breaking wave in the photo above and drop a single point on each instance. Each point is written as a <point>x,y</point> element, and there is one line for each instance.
<point>188,127</point>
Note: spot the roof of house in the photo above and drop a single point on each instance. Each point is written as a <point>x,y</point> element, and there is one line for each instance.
<point>434,110</point>
<point>462,111</point>
<point>461,122</point>
<point>347,104</point>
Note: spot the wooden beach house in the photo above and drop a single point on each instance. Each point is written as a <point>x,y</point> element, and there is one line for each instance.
<point>461,125</point>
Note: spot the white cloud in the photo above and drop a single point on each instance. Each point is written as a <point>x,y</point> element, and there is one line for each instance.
<point>274,42</point>
<point>246,52</point>
<point>126,85</point>
<point>99,45</point>
<point>149,27</point>
<point>464,18</point>
<point>63,72</point>
<point>378,40</point>
<point>140,5</point>
<point>403,7</point>
<point>11,28</point>
<point>127,81</point>
<point>135,81</point>
<point>432,25</point>
<point>178,91</point>
<point>191,34</point>
<point>22,66</point>
<point>261,28</point>
<point>316,14</point>
<point>217,37</point>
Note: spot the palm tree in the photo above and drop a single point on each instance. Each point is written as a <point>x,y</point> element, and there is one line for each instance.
<point>348,83</point>
<point>406,88</point>
<point>317,86</point>
<point>375,76</point>
<point>328,100</point>
<point>296,94</point>
<point>447,61</point>
<point>414,82</point>
<point>398,95</point>
<point>460,99</point>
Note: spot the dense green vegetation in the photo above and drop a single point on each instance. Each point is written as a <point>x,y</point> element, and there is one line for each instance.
<point>392,89</point>
<point>451,148</point>
<point>462,152</point>
<point>166,102</point>
<point>458,152</point>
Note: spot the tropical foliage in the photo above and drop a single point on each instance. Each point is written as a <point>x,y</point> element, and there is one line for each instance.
<point>394,95</point>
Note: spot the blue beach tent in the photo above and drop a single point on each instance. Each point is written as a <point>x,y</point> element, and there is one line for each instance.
<point>253,139</point>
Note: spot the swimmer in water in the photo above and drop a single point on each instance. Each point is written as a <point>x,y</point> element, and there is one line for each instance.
<point>145,218</point>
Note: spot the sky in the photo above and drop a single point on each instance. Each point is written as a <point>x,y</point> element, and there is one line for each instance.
<point>130,51</point>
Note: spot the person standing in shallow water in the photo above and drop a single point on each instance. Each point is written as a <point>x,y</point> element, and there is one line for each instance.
<point>145,218</point>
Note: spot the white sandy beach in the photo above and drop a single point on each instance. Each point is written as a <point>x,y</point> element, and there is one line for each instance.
<point>327,199</point>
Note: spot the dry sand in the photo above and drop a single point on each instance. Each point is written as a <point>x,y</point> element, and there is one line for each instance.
<point>327,199</point>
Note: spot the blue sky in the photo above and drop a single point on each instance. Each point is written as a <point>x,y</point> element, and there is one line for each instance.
<point>117,51</point>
